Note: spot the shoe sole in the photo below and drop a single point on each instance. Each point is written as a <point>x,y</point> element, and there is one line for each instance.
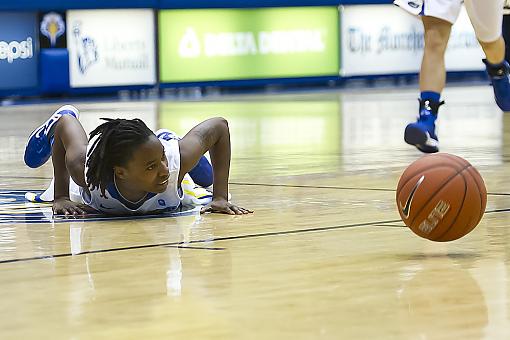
<point>416,137</point>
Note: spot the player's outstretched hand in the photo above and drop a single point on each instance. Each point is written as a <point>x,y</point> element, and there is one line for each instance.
<point>224,207</point>
<point>64,206</point>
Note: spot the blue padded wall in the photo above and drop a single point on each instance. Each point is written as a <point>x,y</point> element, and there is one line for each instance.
<point>54,70</point>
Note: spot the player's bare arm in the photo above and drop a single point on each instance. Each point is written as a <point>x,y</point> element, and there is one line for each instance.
<point>68,156</point>
<point>211,135</point>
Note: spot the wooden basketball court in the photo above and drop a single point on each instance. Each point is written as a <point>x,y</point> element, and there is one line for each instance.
<point>324,256</point>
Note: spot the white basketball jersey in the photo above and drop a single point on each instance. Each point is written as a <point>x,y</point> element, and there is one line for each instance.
<point>113,202</point>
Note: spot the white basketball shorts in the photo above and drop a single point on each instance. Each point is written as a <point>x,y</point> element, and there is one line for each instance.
<point>486,15</point>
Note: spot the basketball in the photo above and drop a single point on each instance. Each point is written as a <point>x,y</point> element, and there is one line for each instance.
<point>441,197</point>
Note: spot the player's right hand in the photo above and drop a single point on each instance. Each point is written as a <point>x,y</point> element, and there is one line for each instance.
<point>68,208</point>
<point>224,207</point>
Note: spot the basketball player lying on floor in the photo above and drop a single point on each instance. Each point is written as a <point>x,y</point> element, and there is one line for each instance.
<point>127,169</point>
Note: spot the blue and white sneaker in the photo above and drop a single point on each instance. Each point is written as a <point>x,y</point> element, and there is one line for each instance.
<point>44,197</point>
<point>166,134</point>
<point>194,194</point>
<point>500,79</point>
<point>38,149</point>
<point>422,134</point>
<point>35,198</point>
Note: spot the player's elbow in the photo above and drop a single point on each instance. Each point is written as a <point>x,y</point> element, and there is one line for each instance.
<point>212,130</point>
<point>221,122</point>
<point>220,125</point>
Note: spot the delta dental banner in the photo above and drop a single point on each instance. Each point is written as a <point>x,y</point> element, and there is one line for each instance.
<point>111,47</point>
<point>384,39</point>
<point>230,44</point>
<point>19,50</point>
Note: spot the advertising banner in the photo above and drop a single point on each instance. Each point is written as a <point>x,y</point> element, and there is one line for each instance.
<point>111,47</point>
<point>230,44</point>
<point>384,39</point>
<point>18,50</point>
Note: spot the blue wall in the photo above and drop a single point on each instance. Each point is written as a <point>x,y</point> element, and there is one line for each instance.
<point>74,4</point>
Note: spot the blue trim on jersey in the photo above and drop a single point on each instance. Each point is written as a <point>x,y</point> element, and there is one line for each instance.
<point>114,193</point>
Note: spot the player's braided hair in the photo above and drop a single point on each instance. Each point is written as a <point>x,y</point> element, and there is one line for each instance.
<point>114,144</point>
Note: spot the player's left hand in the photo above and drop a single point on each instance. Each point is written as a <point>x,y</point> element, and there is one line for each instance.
<point>224,207</point>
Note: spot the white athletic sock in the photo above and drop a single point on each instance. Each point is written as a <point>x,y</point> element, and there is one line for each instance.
<point>49,194</point>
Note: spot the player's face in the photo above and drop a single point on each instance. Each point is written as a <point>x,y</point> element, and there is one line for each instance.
<point>148,168</point>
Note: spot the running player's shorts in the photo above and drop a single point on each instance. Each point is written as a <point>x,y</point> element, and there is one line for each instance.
<point>486,15</point>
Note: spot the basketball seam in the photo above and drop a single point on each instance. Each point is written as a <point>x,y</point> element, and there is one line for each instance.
<point>443,155</point>
<point>455,159</point>
<point>435,193</point>
<point>399,189</point>
<point>482,210</point>
<point>461,206</point>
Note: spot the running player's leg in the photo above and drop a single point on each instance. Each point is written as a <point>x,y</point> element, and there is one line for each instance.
<point>487,18</point>
<point>432,71</point>
<point>422,133</point>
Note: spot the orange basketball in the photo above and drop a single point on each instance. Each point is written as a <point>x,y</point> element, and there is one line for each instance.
<point>441,197</point>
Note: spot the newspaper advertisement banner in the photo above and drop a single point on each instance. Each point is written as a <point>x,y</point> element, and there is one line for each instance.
<point>384,39</point>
